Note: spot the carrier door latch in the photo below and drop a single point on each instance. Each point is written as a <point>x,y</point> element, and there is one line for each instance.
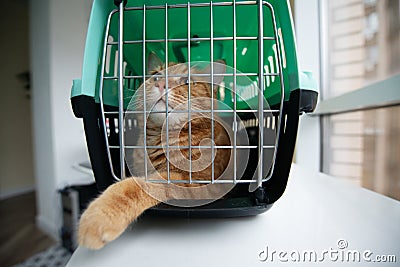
<point>308,101</point>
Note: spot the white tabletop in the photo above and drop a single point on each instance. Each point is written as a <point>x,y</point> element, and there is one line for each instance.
<point>317,216</point>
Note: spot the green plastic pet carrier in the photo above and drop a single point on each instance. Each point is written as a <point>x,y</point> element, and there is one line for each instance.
<point>262,87</point>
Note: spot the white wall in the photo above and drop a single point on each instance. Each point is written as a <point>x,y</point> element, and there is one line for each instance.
<point>58,30</point>
<point>16,163</point>
<point>308,47</point>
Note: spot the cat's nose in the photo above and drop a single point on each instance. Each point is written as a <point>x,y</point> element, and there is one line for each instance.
<point>161,86</point>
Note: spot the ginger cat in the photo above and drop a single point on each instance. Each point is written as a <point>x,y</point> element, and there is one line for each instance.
<point>111,213</point>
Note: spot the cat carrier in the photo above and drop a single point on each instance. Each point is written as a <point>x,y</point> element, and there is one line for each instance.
<point>261,96</point>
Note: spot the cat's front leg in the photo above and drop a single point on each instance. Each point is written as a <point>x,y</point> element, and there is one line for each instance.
<point>109,215</point>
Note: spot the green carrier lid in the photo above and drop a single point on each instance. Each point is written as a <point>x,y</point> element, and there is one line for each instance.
<point>279,46</point>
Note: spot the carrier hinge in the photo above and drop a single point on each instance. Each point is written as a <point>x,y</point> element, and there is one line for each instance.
<point>260,196</point>
<point>118,2</point>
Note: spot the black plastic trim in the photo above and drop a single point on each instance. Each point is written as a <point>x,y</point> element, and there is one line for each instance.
<point>308,100</point>
<point>86,108</point>
<point>231,206</point>
<point>275,187</point>
<point>223,208</point>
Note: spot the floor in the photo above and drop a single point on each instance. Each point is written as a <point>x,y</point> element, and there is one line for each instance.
<point>19,236</point>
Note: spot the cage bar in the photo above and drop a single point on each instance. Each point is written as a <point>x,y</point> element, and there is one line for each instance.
<point>193,75</point>
<point>189,5</point>
<point>218,181</point>
<point>279,60</point>
<point>121,124</point>
<point>261,92</point>
<point>199,147</point>
<point>234,95</point>
<point>189,105</point>
<point>195,111</point>
<point>194,39</point>
<point>212,89</point>
<point>144,95</point>
<point>166,92</point>
<point>101,87</point>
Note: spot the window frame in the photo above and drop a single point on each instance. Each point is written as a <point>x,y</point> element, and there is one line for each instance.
<point>313,14</point>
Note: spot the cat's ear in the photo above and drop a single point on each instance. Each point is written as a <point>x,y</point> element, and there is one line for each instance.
<point>154,63</point>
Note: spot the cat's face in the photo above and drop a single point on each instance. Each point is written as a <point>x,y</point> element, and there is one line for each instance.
<point>177,93</point>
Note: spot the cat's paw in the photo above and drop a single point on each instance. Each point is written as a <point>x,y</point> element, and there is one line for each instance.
<point>97,226</point>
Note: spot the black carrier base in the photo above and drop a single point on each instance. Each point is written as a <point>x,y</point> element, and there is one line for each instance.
<point>238,202</point>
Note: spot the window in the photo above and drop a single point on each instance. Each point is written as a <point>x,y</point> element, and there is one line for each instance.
<point>362,40</point>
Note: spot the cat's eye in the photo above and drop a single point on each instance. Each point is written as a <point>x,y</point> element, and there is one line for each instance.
<point>156,77</point>
<point>184,80</point>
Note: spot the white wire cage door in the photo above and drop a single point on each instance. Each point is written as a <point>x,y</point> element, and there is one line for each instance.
<point>253,132</point>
